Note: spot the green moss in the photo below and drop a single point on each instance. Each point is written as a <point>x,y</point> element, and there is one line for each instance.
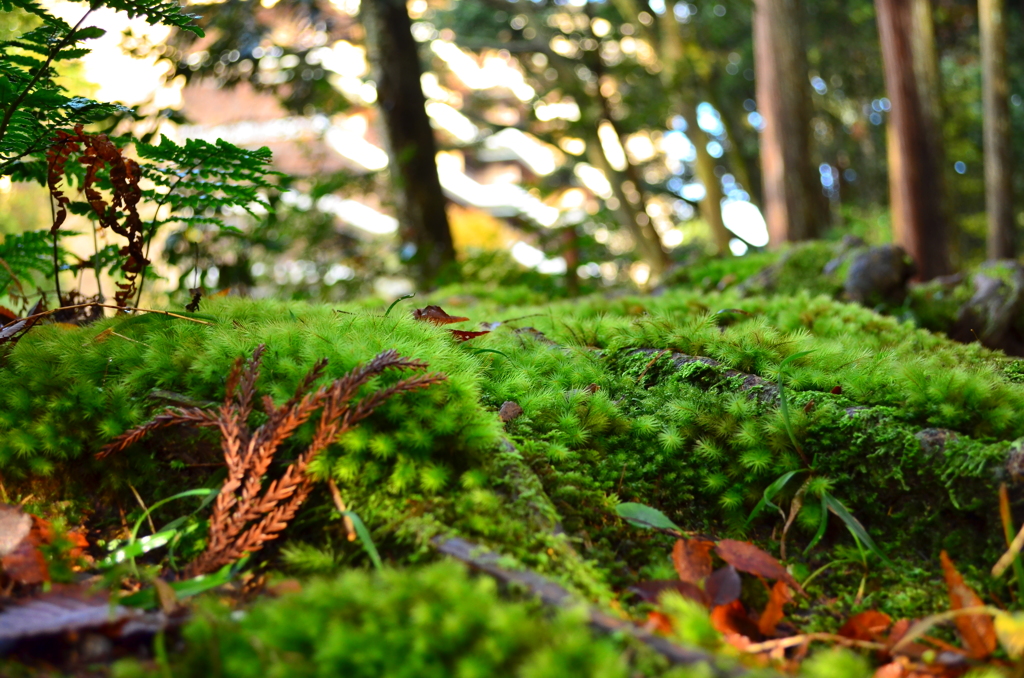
<point>433,621</point>
<point>610,413</point>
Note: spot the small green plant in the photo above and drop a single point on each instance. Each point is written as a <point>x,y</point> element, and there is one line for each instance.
<point>829,504</point>
<point>43,138</point>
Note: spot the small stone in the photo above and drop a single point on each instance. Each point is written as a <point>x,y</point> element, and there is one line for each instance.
<point>510,410</point>
<point>879,275</point>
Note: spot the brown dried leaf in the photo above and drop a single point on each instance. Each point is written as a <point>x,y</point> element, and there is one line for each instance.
<point>692,559</point>
<point>436,315</point>
<point>650,591</point>
<point>977,630</point>
<point>166,596</point>
<point>868,625</point>
<point>773,611</point>
<point>466,335</point>
<point>7,315</point>
<point>746,557</point>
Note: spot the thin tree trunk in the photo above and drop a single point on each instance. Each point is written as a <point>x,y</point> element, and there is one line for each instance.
<point>743,166</point>
<point>670,43</point>
<point>640,224</point>
<point>711,203</point>
<point>791,184</point>
<point>995,96</point>
<point>651,250</point>
<point>419,202</point>
<point>916,176</point>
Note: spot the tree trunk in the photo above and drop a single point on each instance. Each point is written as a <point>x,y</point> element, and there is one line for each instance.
<point>916,174</point>
<point>419,202</point>
<point>995,95</point>
<point>791,185</point>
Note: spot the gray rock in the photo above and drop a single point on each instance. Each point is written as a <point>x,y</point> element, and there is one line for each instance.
<point>992,315</point>
<point>879,275</point>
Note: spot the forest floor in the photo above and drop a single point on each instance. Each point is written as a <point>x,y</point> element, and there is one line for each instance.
<point>738,473</point>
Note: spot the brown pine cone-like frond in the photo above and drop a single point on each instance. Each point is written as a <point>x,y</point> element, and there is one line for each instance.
<point>245,514</point>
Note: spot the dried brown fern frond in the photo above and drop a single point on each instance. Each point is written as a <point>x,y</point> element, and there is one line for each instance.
<point>245,516</point>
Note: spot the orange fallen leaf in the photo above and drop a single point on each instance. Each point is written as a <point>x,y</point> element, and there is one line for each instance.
<point>436,315</point>
<point>658,622</point>
<point>890,670</point>
<point>977,630</point>
<point>692,559</point>
<point>748,558</point>
<point>773,612</point>
<point>868,625</point>
<point>732,618</point>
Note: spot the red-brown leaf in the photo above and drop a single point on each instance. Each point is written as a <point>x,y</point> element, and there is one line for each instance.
<point>868,625</point>
<point>977,630</point>
<point>436,315</point>
<point>773,612</point>
<point>746,557</point>
<point>650,591</point>
<point>466,335</point>
<point>692,558</point>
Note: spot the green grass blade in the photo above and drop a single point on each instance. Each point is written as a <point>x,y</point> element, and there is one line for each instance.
<point>393,303</point>
<point>852,524</point>
<point>822,524</point>
<point>770,492</point>
<point>365,538</point>
<point>783,405</point>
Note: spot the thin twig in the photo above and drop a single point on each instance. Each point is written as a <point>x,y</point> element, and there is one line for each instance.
<point>793,641</point>
<point>350,527</point>
<point>651,364</point>
<point>145,510</point>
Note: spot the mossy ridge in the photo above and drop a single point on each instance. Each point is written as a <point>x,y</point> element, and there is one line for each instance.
<point>701,451</point>
<point>686,442</point>
<point>67,391</point>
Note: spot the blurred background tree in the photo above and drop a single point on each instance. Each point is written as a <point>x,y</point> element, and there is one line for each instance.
<point>584,144</point>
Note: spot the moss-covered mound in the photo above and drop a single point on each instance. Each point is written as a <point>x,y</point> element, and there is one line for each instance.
<point>432,622</point>
<point>672,401</point>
